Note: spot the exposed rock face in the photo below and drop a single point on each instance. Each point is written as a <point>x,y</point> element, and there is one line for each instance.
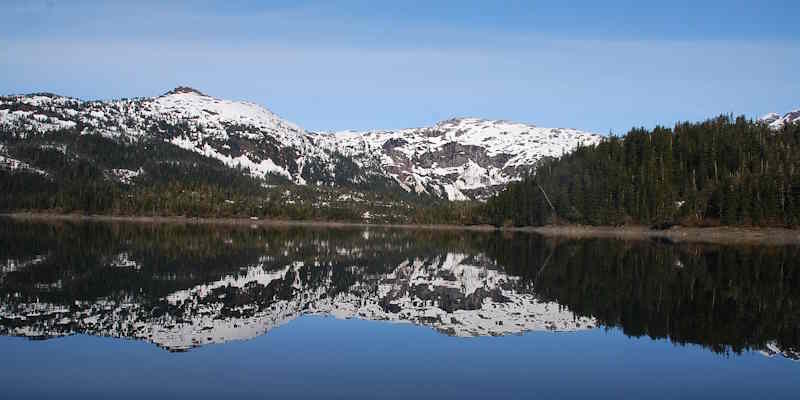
<point>185,89</point>
<point>456,159</point>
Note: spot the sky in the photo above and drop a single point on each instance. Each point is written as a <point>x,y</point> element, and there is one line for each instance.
<point>334,65</point>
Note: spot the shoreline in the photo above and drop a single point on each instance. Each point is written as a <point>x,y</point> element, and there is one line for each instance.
<point>725,235</point>
<point>712,235</point>
<point>236,221</point>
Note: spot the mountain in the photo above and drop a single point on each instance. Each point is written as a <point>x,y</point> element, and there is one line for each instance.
<point>457,159</point>
<point>239,134</point>
<point>776,122</point>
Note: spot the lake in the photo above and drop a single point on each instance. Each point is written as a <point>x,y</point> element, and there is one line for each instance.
<point>114,310</point>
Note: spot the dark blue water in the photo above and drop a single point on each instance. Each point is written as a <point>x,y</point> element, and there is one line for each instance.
<point>318,357</point>
<point>660,329</point>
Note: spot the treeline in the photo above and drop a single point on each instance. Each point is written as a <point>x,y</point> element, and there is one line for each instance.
<point>721,171</point>
<point>29,192</point>
<point>72,175</point>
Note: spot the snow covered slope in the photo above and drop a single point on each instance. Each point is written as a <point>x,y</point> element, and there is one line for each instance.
<point>776,122</point>
<point>457,159</point>
<point>240,134</point>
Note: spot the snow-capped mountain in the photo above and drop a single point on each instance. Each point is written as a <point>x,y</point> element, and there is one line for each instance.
<point>456,294</point>
<point>240,134</point>
<point>459,158</point>
<point>455,159</point>
<point>776,122</point>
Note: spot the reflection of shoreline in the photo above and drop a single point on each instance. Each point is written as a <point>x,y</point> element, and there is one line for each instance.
<point>718,235</point>
<point>445,293</point>
<point>234,221</point>
<point>728,299</point>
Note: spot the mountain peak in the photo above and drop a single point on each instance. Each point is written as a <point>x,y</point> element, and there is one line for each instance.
<point>460,119</point>
<point>184,89</point>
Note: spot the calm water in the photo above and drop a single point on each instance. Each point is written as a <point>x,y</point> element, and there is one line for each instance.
<point>141,311</point>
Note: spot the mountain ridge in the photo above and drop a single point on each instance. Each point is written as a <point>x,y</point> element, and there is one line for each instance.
<point>456,159</point>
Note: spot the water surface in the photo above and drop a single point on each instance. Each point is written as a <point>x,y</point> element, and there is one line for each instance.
<point>97,310</point>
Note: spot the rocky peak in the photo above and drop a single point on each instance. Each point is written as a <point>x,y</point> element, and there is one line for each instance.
<point>184,90</point>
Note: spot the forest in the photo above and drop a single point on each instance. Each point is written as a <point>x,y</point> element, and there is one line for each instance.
<point>722,171</point>
<point>68,172</point>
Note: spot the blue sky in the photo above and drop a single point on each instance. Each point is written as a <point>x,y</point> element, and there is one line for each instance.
<point>600,66</point>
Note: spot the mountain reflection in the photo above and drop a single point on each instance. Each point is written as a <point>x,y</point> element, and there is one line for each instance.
<point>182,286</point>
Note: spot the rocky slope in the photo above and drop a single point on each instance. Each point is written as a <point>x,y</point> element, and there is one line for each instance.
<point>456,159</point>
<point>459,158</point>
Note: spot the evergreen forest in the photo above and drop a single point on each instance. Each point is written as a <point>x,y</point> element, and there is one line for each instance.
<point>722,171</point>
